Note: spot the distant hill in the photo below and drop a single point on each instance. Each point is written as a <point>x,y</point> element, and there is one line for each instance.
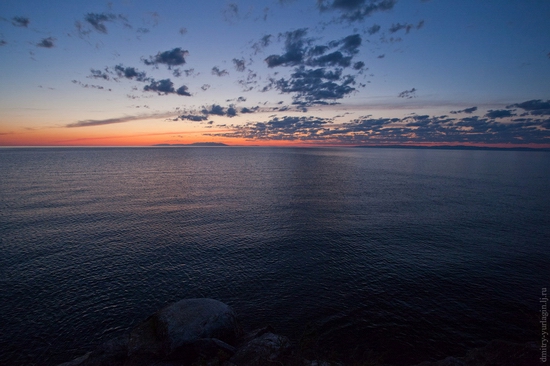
<point>196,144</point>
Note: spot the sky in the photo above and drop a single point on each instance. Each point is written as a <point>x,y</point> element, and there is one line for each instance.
<point>275,72</point>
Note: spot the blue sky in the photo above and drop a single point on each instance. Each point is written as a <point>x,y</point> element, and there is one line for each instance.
<point>331,72</point>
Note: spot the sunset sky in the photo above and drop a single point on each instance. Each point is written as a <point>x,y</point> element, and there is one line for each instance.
<point>284,72</point>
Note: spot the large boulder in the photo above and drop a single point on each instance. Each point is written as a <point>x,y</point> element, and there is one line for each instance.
<point>174,330</point>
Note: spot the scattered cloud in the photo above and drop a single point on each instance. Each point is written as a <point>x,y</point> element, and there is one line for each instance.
<point>3,42</point>
<point>20,21</point>
<point>231,12</point>
<point>89,86</point>
<point>239,64</point>
<point>410,129</point>
<point>535,107</point>
<point>46,43</point>
<point>408,94</point>
<point>130,73</point>
<point>373,29</point>
<point>174,57</point>
<point>406,27</point>
<point>355,10</point>
<point>164,87</point>
<point>98,20</point>
<point>466,110</point>
<point>216,71</point>
<point>499,113</point>
<point>183,31</point>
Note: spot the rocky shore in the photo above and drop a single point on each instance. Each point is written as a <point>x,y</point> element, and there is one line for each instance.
<point>194,332</point>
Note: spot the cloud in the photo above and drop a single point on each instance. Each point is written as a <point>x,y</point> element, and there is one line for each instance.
<point>193,117</point>
<point>101,122</point>
<point>262,43</point>
<point>89,85</point>
<point>284,128</point>
<point>46,43</point>
<point>355,10</point>
<point>408,94</point>
<point>294,46</point>
<point>231,12</point>
<point>499,113</point>
<point>318,72</point>
<point>413,129</point>
<point>407,27</point>
<point>130,73</point>
<point>20,21</point>
<point>466,110</point>
<point>313,86</point>
<point>183,31</point>
<point>174,57</point>
<point>164,87</point>
<point>98,74</point>
<point>216,71</point>
<point>534,106</point>
<point>3,42</point>
<point>374,29</point>
<point>98,20</point>
<point>239,64</point>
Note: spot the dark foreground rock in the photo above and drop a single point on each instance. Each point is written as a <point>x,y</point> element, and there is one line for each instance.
<point>189,332</point>
<point>205,332</point>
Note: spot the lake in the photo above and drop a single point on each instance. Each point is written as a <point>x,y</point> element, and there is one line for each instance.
<point>411,254</point>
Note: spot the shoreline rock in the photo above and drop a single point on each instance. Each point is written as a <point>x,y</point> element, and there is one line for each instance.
<point>205,332</point>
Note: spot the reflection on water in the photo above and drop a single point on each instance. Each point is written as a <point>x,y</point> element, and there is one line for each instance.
<point>416,253</point>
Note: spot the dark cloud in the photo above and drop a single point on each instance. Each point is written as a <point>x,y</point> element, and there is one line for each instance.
<point>466,110</point>
<point>381,56</point>
<point>262,43</point>
<point>295,42</point>
<point>499,113</point>
<point>231,12</point>
<point>130,73</point>
<point>20,21</point>
<point>318,73</point>
<point>239,64</point>
<point>358,65</point>
<point>408,94</point>
<point>411,129</point>
<point>374,29</point>
<point>174,57</point>
<point>205,87</point>
<point>193,117</point>
<point>183,31</point>
<point>216,71</point>
<point>313,86</point>
<point>407,27</point>
<point>164,87</point>
<point>89,86</point>
<point>98,20</point>
<point>350,44</point>
<point>143,30</point>
<point>355,10</point>
<point>98,74</point>
<point>183,90</point>
<point>249,110</point>
<point>535,107</point>
<point>46,43</point>
<point>3,42</point>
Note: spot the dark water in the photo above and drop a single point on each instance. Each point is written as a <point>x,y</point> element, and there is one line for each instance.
<point>411,255</point>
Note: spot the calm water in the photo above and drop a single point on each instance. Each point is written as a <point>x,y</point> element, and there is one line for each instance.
<point>413,254</point>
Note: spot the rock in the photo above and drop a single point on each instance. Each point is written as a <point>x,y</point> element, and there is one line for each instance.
<point>174,329</point>
<point>265,349</point>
